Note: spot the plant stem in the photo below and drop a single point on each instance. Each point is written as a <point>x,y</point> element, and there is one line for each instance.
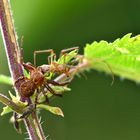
<point>85,64</point>
<point>13,55</point>
<point>10,103</point>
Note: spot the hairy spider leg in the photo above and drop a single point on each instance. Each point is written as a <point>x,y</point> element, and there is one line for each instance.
<point>43,51</point>
<point>52,91</point>
<point>49,89</point>
<point>29,67</point>
<point>46,98</point>
<point>57,84</point>
<point>64,53</point>
<point>112,74</point>
<point>51,58</point>
<point>37,96</point>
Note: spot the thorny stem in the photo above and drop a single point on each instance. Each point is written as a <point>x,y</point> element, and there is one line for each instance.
<point>32,123</point>
<point>12,51</point>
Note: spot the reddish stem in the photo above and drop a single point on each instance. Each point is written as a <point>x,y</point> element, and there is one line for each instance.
<point>16,70</point>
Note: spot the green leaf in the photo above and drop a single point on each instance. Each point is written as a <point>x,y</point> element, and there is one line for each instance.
<point>6,101</point>
<point>54,110</point>
<point>64,59</point>
<point>6,80</point>
<point>122,57</point>
<point>6,110</point>
<point>17,101</point>
<point>26,73</point>
<point>57,89</point>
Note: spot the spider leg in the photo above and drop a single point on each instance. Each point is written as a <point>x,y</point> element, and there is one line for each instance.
<point>64,51</point>
<point>29,110</point>
<point>46,98</point>
<point>51,58</point>
<point>43,51</point>
<point>52,91</point>
<point>29,67</point>
<point>16,123</point>
<point>57,84</point>
<point>109,67</point>
<point>112,74</point>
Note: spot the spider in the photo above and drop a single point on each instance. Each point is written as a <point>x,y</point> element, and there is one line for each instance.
<point>37,81</point>
<point>60,66</point>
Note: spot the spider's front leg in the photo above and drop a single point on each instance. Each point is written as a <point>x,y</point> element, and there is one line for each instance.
<point>65,51</point>
<point>50,58</point>
<point>58,84</point>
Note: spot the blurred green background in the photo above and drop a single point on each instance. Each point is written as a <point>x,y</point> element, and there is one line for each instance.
<point>93,110</point>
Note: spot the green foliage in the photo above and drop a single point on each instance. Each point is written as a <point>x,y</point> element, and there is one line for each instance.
<point>54,110</point>
<point>5,80</point>
<point>10,104</point>
<point>14,105</point>
<point>16,100</point>
<point>64,59</point>
<point>57,90</point>
<point>6,110</point>
<point>122,57</point>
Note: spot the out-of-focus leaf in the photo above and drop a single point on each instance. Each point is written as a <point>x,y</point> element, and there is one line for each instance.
<point>6,80</point>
